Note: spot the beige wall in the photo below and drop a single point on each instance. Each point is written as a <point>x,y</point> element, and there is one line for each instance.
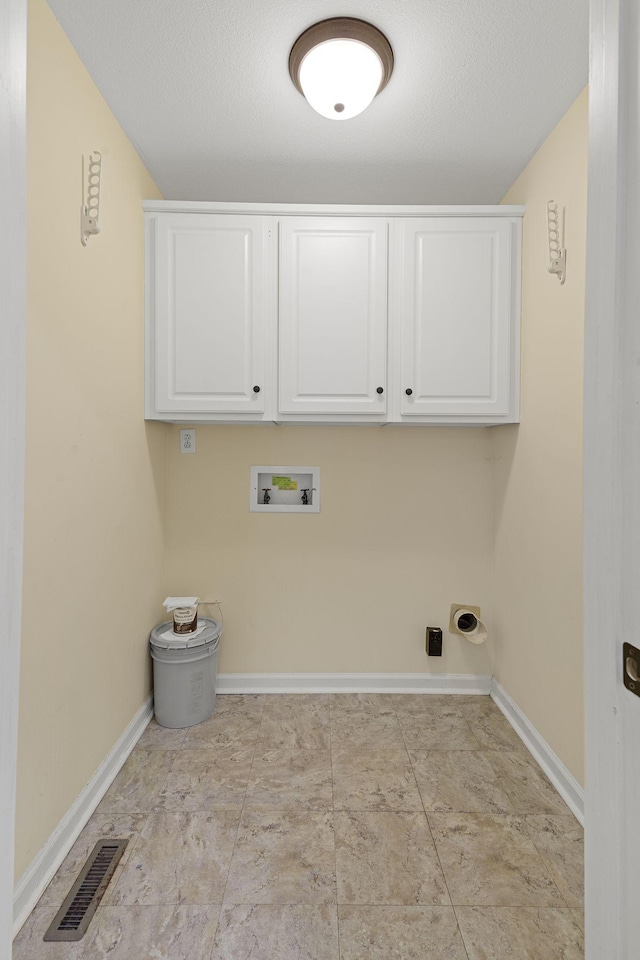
<point>404,530</point>
<point>95,474</point>
<point>538,465</point>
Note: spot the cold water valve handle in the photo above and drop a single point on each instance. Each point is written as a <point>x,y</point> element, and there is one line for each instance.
<point>305,496</point>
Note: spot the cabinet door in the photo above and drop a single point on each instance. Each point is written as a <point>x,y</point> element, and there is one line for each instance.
<point>458,317</point>
<point>211,305</point>
<point>333,316</point>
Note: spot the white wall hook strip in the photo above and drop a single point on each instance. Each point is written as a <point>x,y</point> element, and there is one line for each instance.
<point>90,209</point>
<point>557,252</point>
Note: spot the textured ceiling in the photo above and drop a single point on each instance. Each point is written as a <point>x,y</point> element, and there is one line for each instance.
<point>203,91</point>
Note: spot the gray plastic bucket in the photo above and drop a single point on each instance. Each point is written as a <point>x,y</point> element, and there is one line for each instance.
<point>184,674</point>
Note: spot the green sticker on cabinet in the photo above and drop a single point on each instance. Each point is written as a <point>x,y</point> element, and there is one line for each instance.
<point>284,483</point>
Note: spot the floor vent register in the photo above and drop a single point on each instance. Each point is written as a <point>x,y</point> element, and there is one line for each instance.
<point>82,901</point>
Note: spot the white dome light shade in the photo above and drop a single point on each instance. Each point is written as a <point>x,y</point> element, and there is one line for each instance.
<point>340,65</point>
<point>340,78</point>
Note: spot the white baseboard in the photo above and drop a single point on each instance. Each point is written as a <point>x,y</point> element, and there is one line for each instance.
<point>353,683</point>
<point>42,868</point>
<point>564,781</point>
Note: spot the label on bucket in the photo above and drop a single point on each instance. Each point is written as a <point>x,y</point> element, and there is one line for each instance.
<point>185,620</point>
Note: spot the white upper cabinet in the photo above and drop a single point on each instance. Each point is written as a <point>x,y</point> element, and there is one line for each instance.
<point>458,317</point>
<point>325,314</point>
<point>332,329</point>
<point>211,284</point>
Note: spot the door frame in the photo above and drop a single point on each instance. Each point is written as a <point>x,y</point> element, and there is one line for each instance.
<point>611,479</point>
<point>13,44</point>
<point>613,224</point>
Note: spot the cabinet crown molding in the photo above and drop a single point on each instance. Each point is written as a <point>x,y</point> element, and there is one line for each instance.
<point>329,210</point>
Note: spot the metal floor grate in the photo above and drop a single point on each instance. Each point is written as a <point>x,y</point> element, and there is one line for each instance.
<point>74,916</point>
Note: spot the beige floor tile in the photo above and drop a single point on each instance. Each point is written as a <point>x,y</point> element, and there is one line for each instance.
<point>426,705</point>
<point>436,732</point>
<point>387,858</point>
<point>489,859</point>
<point>283,857</point>
<point>290,779</point>
<point>471,704</point>
<point>277,932</point>
<point>346,704</point>
<point>225,730</point>
<point>374,780</point>
<point>399,933</point>
<point>120,827</point>
<point>179,858</point>
<point>251,705</point>
<point>137,786</point>
<point>473,699</point>
<point>200,779</point>
<point>521,933</point>
<point>458,781</point>
<point>161,933</point>
<point>164,738</point>
<point>366,731</point>
<point>29,945</point>
<point>299,722</point>
<point>560,842</point>
<point>298,706</point>
<point>298,734</point>
<point>528,788</point>
<point>491,729</point>
<point>279,869</point>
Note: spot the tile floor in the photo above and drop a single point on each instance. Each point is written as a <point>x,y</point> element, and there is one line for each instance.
<point>338,827</point>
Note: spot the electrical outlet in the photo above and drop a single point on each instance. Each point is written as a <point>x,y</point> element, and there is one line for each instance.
<point>188,441</point>
<point>434,642</point>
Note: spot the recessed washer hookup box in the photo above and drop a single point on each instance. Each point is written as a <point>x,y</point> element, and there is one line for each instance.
<point>284,489</point>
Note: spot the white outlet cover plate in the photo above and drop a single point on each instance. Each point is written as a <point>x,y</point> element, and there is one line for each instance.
<point>188,441</point>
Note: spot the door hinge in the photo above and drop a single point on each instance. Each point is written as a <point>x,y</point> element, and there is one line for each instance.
<point>631,668</point>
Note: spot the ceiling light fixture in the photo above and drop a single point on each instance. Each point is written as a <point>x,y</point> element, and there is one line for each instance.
<point>340,65</point>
